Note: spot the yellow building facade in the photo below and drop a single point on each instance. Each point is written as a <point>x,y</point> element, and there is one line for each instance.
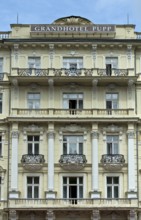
<point>70,121</point>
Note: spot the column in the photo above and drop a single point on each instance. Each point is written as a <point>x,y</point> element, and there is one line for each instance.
<point>132,215</point>
<point>50,193</point>
<point>13,215</point>
<point>129,55</point>
<point>51,93</point>
<point>131,165</point>
<point>95,180</point>
<point>14,165</point>
<point>50,215</point>
<point>95,215</point>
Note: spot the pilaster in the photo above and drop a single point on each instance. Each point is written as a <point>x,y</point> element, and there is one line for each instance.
<point>95,215</point>
<point>13,215</point>
<point>132,215</point>
<point>50,215</point>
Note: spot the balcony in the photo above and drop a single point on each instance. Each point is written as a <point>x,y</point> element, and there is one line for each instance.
<point>112,162</point>
<point>70,203</point>
<point>72,161</point>
<point>32,162</point>
<point>22,112</point>
<point>3,204</point>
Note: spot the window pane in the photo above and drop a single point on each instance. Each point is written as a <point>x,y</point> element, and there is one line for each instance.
<point>36,150</point>
<point>80,148</point>
<point>81,180</point>
<point>80,192</point>
<point>30,138</point>
<point>64,148</point>
<point>64,191</point>
<point>30,151</point>
<point>64,180</point>
<point>80,104</point>
<point>36,180</point>
<point>36,138</point>
<point>29,180</point>
<point>36,192</point>
<point>72,180</point>
<point>116,180</point>
<point>116,192</point>
<point>109,180</point>
<point>109,192</point>
<point>29,192</point>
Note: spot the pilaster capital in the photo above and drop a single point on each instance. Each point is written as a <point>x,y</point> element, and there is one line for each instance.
<point>50,134</point>
<point>95,134</point>
<point>50,82</point>
<point>15,134</point>
<point>130,134</point>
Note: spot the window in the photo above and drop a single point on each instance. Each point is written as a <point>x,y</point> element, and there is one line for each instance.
<point>0,103</point>
<point>0,186</point>
<point>34,62</point>
<point>33,100</point>
<point>72,144</point>
<point>32,187</point>
<point>33,144</point>
<point>112,144</point>
<point>112,187</point>
<point>73,64</point>
<point>111,101</point>
<point>73,101</point>
<point>111,63</point>
<point>72,187</point>
<point>0,146</point>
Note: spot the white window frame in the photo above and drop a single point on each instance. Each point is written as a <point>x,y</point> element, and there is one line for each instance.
<point>112,100</point>
<point>35,103</point>
<point>68,61</point>
<point>33,142</point>
<point>73,175</point>
<point>34,62</point>
<point>111,60</point>
<point>73,96</point>
<point>68,142</point>
<point>120,179</point>
<point>112,142</point>
<point>40,183</point>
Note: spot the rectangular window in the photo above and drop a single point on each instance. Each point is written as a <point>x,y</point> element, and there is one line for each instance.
<point>34,62</point>
<point>73,188</point>
<point>73,101</point>
<point>32,187</point>
<point>0,146</point>
<point>0,103</point>
<point>111,63</point>
<point>72,144</point>
<point>33,100</point>
<point>112,187</point>
<point>1,66</point>
<point>33,144</point>
<point>111,101</point>
<point>73,64</point>
<point>112,142</point>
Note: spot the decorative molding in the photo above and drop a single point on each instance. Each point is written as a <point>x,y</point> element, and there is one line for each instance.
<point>12,214</point>
<point>16,50</point>
<point>51,134</point>
<point>111,86</point>
<point>95,215</point>
<point>15,134</point>
<point>132,214</point>
<point>33,129</point>
<point>95,134</point>
<point>94,51</point>
<point>130,134</point>
<point>50,215</point>
<point>51,53</point>
<point>51,82</point>
<point>73,128</point>
<point>129,51</point>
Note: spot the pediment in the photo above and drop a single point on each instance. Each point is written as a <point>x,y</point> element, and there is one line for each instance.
<point>72,20</point>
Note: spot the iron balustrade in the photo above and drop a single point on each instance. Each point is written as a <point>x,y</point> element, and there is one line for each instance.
<point>32,72</point>
<point>73,158</point>
<point>113,158</point>
<point>32,159</point>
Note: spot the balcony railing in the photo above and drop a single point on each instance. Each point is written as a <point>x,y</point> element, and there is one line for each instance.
<point>32,161</point>
<point>72,112</point>
<point>4,34</point>
<point>72,161</point>
<point>112,161</point>
<point>79,203</point>
<point>29,72</point>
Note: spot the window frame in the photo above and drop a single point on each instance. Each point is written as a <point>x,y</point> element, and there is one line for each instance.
<point>77,61</point>
<point>34,102</point>
<point>114,65</point>
<point>113,185</point>
<point>79,145</point>
<point>34,62</point>
<point>79,99</point>
<point>112,142</point>
<point>112,100</point>
<point>33,143</point>
<point>33,176</point>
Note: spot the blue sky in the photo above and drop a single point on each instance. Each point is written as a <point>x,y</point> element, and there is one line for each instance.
<point>46,11</point>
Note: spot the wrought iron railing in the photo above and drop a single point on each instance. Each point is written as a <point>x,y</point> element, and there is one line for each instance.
<point>32,159</point>
<point>113,158</point>
<point>114,72</point>
<point>32,72</point>
<point>73,158</point>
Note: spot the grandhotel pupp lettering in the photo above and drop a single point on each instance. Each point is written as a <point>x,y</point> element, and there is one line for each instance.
<point>70,28</point>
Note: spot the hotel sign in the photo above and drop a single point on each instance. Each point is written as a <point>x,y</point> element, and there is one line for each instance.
<point>72,28</point>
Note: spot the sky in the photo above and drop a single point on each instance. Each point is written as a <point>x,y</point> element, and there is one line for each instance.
<point>47,11</point>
